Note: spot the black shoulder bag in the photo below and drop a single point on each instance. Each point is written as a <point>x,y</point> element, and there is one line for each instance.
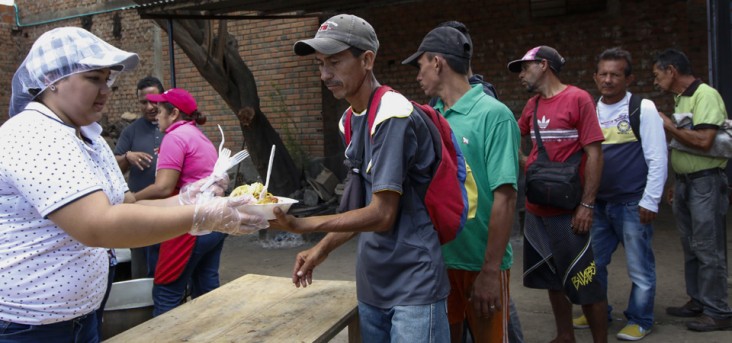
<point>550,183</point>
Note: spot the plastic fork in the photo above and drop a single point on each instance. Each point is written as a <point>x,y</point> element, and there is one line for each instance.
<point>220,167</point>
<point>222,160</point>
<point>222,163</point>
<point>237,158</point>
<point>225,163</point>
<point>221,145</point>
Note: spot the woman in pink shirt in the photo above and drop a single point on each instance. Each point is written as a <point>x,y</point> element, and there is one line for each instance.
<point>186,155</point>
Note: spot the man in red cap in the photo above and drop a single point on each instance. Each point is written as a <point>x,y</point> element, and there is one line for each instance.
<point>557,252</point>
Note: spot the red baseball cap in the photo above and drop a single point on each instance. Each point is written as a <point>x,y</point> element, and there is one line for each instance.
<point>178,97</point>
<point>543,52</point>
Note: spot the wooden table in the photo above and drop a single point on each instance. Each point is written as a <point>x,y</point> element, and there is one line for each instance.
<point>257,308</point>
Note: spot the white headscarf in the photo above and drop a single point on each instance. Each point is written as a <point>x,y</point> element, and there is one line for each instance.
<point>59,53</point>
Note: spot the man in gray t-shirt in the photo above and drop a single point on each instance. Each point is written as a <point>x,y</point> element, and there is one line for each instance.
<point>401,279</point>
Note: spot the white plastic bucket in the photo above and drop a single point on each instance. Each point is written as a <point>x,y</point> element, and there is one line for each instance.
<point>130,303</point>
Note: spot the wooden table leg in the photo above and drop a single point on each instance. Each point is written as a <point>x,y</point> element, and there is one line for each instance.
<point>354,329</point>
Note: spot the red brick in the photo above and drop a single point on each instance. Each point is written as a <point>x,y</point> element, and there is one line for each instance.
<point>502,30</point>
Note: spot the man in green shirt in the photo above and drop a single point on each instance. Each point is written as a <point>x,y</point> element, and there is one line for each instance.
<point>480,258</point>
<point>700,200</point>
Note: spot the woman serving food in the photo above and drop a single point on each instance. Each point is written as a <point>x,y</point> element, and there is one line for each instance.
<point>186,155</point>
<point>64,200</point>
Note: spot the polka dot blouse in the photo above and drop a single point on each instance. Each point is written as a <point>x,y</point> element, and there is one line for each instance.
<point>46,276</point>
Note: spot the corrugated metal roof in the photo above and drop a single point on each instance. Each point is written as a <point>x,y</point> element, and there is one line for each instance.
<point>254,9</point>
<point>208,9</point>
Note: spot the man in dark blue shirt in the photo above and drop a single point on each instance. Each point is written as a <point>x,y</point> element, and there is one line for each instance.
<point>136,151</point>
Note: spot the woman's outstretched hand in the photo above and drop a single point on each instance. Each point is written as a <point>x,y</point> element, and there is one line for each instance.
<point>227,215</point>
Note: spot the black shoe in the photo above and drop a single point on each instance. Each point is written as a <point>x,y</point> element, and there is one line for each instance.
<point>707,323</point>
<point>690,309</point>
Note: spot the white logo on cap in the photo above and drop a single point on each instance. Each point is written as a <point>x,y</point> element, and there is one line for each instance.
<point>531,54</point>
<point>327,26</point>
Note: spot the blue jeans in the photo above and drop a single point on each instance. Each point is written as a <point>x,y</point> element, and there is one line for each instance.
<point>202,272</point>
<point>619,223</point>
<point>421,323</point>
<point>79,330</point>
<point>151,258</point>
<point>700,207</point>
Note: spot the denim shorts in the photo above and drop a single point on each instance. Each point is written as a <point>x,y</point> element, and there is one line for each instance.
<point>415,323</point>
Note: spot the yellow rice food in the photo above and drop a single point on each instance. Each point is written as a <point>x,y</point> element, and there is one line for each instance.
<point>254,190</point>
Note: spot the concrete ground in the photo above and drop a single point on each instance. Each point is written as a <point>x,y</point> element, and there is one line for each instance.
<point>246,254</point>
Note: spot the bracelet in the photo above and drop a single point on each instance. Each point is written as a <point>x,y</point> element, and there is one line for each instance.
<point>587,205</point>
<point>125,156</point>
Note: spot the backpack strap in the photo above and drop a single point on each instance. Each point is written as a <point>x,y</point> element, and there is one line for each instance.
<point>373,107</point>
<point>634,114</point>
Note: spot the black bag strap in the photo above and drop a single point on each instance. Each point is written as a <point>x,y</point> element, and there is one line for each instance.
<point>542,154</point>
<point>634,114</point>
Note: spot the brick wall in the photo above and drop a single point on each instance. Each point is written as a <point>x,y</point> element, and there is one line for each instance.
<point>136,36</point>
<point>289,88</point>
<point>503,30</point>
<point>10,48</point>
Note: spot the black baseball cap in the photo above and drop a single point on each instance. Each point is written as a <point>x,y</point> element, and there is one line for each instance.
<point>443,40</point>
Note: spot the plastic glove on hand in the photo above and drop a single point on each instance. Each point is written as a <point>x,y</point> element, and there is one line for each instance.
<point>227,215</point>
<point>190,193</point>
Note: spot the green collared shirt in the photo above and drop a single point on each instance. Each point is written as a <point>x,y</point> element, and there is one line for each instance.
<point>708,111</point>
<point>489,138</point>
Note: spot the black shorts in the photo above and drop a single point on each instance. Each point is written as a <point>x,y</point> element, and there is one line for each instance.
<point>555,258</point>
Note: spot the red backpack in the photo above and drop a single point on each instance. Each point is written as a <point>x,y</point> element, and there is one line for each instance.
<point>446,197</point>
